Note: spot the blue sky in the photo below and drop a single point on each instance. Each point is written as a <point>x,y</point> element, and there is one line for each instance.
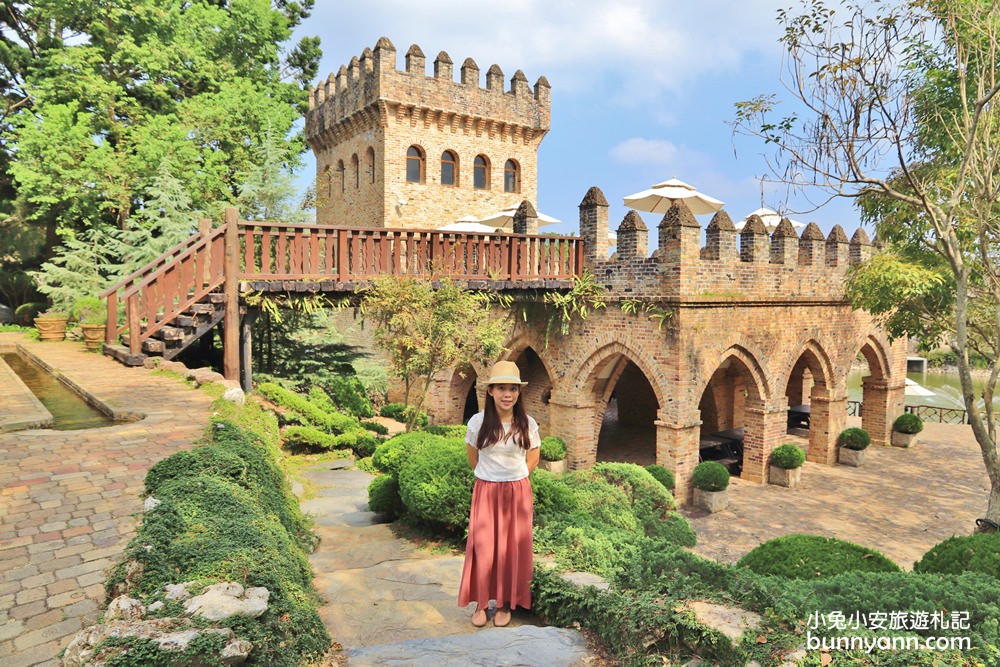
<point>642,90</point>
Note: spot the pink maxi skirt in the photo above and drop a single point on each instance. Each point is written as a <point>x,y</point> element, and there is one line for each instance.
<point>498,558</point>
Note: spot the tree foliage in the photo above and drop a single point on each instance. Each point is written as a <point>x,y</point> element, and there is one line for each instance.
<point>896,106</point>
<point>428,327</point>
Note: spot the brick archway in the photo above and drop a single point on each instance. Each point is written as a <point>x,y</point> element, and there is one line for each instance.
<point>882,391</point>
<point>816,399</point>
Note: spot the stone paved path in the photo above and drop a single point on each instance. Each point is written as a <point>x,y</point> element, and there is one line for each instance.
<point>901,501</point>
<point>67,497</point>
<point>389,603</point>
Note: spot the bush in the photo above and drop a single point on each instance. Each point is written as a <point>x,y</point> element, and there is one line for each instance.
<point>27,312</point>
<point>552,495</point>
<point>397,411</point>
<point>435,483</point>
<point>448,430</point>
<point>661,475</point>
<point>316,415</point>
<point>811,556</point>
<point>787,456</point>
<point>854,438</point>
<point>710,476</point>
<point>348,394</point>
<point>90,310</point>
<point>375,427</point>
<point>908,423</point>
<point>963,553</point>
<point>383,496</point>
<point>553,449</point>
<point>308,438</point>
<point>362,443</point>
<point>390,455</point>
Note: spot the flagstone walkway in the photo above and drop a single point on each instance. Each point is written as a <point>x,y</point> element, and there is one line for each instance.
<point>67,498</point>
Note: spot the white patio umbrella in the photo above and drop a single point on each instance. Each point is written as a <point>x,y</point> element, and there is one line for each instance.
<point>916,389</point>
<point>505,218</point>
<point>469,226</point>
<point>770,219</point>
<point>658,198</point>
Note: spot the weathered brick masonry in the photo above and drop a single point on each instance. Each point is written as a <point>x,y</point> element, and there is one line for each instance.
<point>757,323</point>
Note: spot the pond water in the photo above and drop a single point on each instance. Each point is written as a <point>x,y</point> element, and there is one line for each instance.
<point>945,385</point>
<point>69,411</point>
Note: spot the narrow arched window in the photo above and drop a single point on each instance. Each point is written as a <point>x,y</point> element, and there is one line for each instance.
<point>481,173</point>
<point>326,185</point>
<point>511,177</point>
<point>356,168</point>
<point>371,163</point>
<point>449,168</point>
<point>414,165</point>
<point>342,174</point>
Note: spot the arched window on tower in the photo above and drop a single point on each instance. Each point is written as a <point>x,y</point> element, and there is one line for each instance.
<point>414,165</point>
<point>342,175</point>
<point>481,173</point>
<point>356,168</point>
<point>371,164</point>
<point>326,185</point>
<point>449,168</point>
<point>511,177</point>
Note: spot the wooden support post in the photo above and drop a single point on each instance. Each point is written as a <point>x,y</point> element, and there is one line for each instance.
<point>231,337</point>
<point>246,348</point>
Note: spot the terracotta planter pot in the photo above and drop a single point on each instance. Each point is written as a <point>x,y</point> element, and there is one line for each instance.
<point>789,477</point>
<point>851,457</point>
<point>904,439</point>
<point>51,328</point>
<point>93,335</point>
<point>553,466</point>
<point>711,501</point>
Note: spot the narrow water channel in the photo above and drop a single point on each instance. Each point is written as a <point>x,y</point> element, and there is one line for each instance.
<point>69,411</point>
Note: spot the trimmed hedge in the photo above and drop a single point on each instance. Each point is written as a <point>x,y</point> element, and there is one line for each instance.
<point>361,443</point>
<point>375,427</point>
<point>448,430</point>
<point>710,476</point>
<point>787,456</point>
<point>854,438</point>
<point>389,456</point>
<point>226,513</point>
<point>383,496</point>
<point>397,411</point>
<point>963,553</point>
<point>553,449</point>
<point>435,483</point>
<point>799,556</point>
<point>348,393</point>
<point>908,423</point>
<point>662,475</point>
<point>316,415</point>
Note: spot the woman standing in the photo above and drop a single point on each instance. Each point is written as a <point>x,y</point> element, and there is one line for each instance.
<point>502,443</point>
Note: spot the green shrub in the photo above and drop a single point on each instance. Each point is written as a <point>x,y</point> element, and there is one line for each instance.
<point>854,438</point>
<point>27,312</point>
<point>787,456</point>
<point>348,394</point>
<point>553,449</point>
<point>375,427</point>
<point>390,455</point>
<point>552,495</point>
<point>309,438</point>
<point>331,421</point>
<point>383,496</point>
<point>662,475</point>
<point>397,411</point>
<point>963,553</point>
<point>908,423</point>
<point>811,556</point>
<point>89,310</point>
<point>361,442</point>
<point>448,430</point>
<point>710,476</point>
<point>435,483</point>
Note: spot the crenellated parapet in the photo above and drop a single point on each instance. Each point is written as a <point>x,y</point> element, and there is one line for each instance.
<point>371,87</point>
<point>747,266</point>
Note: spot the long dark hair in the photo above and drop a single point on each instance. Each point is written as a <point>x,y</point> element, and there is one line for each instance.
<point>491,431</point>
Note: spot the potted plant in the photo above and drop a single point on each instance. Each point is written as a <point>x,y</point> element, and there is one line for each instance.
<point>711,481</point>
<point>905,430</point>
<point>853,442</point>
<point>786,465</point>
<point>92,315</point>
<point>553,454</point>
<point>51,324</point>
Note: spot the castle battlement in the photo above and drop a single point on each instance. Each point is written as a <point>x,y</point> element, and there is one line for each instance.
<point>731,267</point>
<point>372,86</point>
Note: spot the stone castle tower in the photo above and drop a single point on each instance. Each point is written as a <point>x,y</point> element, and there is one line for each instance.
<point>399,148</point>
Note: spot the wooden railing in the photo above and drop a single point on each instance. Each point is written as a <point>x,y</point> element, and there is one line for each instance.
<point>239,250</point>
<point>272,251</point>
<point>933,413</point>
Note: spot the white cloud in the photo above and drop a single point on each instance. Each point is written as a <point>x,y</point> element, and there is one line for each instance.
<point>645,151</point>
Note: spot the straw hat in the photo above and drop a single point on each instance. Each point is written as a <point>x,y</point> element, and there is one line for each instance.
<point>505,372</point>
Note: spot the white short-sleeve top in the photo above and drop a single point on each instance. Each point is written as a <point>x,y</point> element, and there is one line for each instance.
<point>503,461</point>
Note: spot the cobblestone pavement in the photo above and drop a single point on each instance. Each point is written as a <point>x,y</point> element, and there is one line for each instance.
<point>67,498</point>
<point>901,501</point>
